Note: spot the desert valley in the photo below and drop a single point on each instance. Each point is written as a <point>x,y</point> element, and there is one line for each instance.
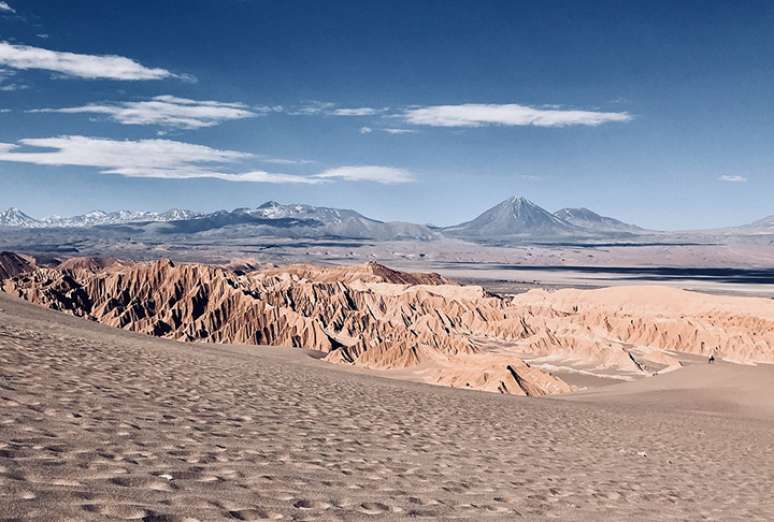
<point>382,261</point>
<point>298,377</point>
<point>165,390</point>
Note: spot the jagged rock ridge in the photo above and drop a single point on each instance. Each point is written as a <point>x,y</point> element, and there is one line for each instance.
<point>12,264</point>
<point>380,319</point>
<point>369,315</point>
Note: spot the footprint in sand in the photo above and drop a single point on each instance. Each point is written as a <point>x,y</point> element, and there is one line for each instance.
<point>163,517</point>
<point>373,508</point>
<point>254,514</point>
<point>117,512</point>
<point>310,504</point>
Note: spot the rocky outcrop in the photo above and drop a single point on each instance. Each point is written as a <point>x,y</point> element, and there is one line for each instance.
<point>366,315</point>
<point>367,273</point>
<point>374,317</point>
<point>12,264</point>
<point>659,319</point>
<point>87,263</point>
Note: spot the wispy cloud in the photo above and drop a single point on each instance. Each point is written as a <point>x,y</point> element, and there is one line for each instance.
<point>87,66</point>
<point>166,111</point>
<point>152,158</point>
<point>6,85</point>
<point>464,115</point>
<point>284,161</point>
<point>5,8</point>
<point>732,178</point>
<point>357,111</point>
<point>311,108</point>
<point>11,87</point>
<point>173,160</point>
<point>374,173</point>
<point>314,108</point>
<point>399,131</point>
<point>479,115</point>
<point>388,130</point>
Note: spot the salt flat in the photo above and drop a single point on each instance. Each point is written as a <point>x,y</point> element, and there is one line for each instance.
<point>102,424</point>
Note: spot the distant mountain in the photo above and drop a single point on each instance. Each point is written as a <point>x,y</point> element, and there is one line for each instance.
<point>593,222</point>
<point>765,223</point>
<point>345,222</point>
<point>100,217</point>
<point>271,218</point>
<point>515,217</point>
<point>298,220</point>
<point>15,218</point>
<point>762,227</point>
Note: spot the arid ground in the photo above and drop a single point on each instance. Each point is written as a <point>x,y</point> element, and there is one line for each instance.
<point>102,424</point>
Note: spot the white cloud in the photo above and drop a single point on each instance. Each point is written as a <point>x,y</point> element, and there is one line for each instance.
<point>157,158</point>
<point>6,85</point>
<point>369,130</point>
<point>732,179</point>
<point>11,87</point>
<point>479,114</point>
<point>357,111</point>
<point>311,108</point>
<point>5,8</point>
<point>160,158</point>
<point>466,115</point>
<point>285,161</point>
<point>374,173</point>
<point>253,176</point>
<point>314,108</point>
<point>166,111</point>
<point>399,131</point>
<point>79,65</point>
<point>259,176</point>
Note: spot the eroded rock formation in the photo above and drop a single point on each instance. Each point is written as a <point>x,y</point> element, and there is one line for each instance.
<point>657,319</point>
<point>12,264</point>
<point>367,315</point>
<point>375,317</point>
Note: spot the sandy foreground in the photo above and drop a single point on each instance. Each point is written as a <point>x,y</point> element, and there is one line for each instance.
<point>102,424</point>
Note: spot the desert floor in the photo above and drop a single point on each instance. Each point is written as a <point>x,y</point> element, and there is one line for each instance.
<point>100,424</point>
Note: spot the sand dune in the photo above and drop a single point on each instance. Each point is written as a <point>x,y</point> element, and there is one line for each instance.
<point>103,424</point>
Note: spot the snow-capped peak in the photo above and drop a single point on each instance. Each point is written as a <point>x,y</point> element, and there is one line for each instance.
<point>13,217</point>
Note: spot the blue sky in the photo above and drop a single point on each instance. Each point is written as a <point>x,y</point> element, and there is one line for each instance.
<point>658,113</point>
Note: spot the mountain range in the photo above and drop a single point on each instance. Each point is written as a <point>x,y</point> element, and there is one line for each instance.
<point>512,220</point>
<point>269,219</point>
<point>13,217</point>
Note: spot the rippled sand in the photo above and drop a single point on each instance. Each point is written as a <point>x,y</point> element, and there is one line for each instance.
<point>100,424</point>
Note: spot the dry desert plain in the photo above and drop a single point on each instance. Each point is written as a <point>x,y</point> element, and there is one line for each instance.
<point>103,424</point>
